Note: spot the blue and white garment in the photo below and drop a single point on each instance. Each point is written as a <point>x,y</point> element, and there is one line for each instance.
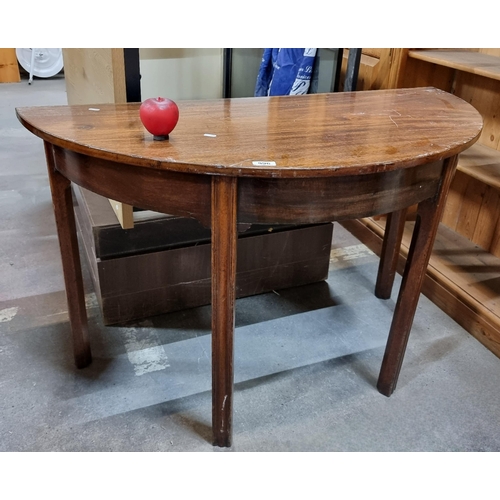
<point>285,72</point>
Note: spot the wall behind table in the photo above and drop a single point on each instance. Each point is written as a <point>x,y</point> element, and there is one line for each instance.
<point>181,73</point>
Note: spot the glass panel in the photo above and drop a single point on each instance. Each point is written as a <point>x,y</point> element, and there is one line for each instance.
<point>245,68</point>
<point>245,64</point>
<point>324,71</point>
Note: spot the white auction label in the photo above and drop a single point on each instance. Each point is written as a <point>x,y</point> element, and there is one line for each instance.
<point>264,163</point>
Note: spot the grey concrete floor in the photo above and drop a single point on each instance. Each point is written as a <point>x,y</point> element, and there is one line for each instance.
<point>306,359</point>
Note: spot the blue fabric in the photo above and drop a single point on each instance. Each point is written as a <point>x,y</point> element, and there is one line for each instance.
<point>285,72</point>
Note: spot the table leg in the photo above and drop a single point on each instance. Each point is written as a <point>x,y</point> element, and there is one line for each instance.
<point>224,241</point>
<point>428,216</point>
<point>66,229</point>
<point>390,253</point>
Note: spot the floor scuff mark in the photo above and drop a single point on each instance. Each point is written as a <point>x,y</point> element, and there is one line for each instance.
<point>350,253</point>
<point>144,349</point>
<point>8,314</point>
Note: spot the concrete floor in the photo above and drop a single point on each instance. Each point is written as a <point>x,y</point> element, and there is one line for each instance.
<point>306,359</point>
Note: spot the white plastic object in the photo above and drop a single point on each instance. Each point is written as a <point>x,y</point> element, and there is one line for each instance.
<point>42,63</point>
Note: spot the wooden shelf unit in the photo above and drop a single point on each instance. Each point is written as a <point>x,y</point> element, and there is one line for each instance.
<point>481,163</point>
<point>463,277</point>
<point>468,61</point>
<point>475,78</point>
<point>473,207</point>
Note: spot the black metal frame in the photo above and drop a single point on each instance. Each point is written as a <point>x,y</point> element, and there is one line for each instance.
<point>227,69</point>
<point>351,76</point>
<point>132,75</point>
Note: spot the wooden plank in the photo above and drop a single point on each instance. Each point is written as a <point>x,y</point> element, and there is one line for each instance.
<point>474,270</point>
<point>487,219</point>
<point>421,74</point>
<point>492,51</point>
<point>124,212</point>
<point>495,240</point>
<point>119,80</point>
<point>481,163</point>
<point>451,212</point>
<point>483,94</point>
<point>462,60</point>
<point>376,53</point>
<point>94,76</point>
<point>9,67</point>
<point>470,207</point>
<point>397,69</point>
<point>379,68</point>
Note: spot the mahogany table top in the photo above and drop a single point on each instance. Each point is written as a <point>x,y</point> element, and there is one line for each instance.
<point>318,135</point>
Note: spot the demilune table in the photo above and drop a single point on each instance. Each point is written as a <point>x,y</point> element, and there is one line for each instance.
<point>291,159</point>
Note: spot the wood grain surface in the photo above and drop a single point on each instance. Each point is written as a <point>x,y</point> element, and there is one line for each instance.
<point>9,67</point>
<point>298,136</point>
<point>463,60</point>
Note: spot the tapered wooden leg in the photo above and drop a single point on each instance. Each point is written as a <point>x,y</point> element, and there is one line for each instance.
<point>68,243</point>
<point>390,252</point>
<point>224,241</point>
<point>428,216</point>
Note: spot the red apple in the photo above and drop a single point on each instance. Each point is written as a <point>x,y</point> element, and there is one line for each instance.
<point>159,116</point>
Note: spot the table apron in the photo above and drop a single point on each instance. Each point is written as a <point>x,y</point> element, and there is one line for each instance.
<point>174,193</point>
<point>260,200</point>
<point>335,198</point>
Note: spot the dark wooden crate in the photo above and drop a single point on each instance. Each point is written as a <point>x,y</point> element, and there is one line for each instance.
<point>163,263</point>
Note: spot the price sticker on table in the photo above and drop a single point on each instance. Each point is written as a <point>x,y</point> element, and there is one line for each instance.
<point>264,163</point>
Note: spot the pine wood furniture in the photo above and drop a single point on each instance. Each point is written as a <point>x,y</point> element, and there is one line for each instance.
<point>463,272</point>
<point>293,159</point>
<point>9,67</point>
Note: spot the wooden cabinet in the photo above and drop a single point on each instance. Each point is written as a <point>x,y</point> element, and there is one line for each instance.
<point>463,277</point>
<point>9,68</point>
<point>379,68</point>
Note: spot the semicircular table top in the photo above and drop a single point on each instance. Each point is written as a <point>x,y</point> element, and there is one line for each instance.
<point>293,136</point>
